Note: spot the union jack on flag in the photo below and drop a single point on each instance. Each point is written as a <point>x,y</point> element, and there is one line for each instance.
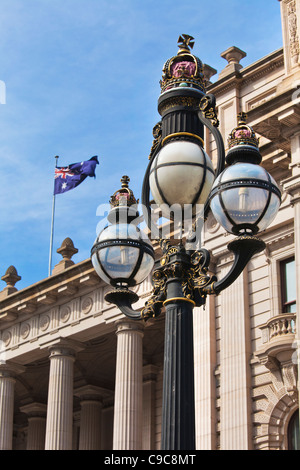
<point>69,177</point>
<point>63,172</point>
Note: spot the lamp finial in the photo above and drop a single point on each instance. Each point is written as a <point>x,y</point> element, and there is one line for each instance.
<point>125,180</point>
<point>185,43</point>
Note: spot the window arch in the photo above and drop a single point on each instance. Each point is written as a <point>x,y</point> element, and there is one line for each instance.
<point>293,432</point>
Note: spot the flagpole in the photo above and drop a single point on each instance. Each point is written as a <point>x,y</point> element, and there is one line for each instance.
<point>52,227</point>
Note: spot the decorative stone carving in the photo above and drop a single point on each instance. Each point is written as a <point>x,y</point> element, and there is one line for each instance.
<point>233,55</point>
<point>44,322</point>
<point>293,33</point>
<point>86,305</point>
<point>289,376</point>
<point>11,277</point>
<point>65,313</point>
<point>6,338</point>
<point>67,250</point>
<point>272,407</point>
<point>25,330</point>
<point>290,23</point>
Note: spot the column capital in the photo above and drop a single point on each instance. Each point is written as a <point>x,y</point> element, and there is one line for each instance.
<point>92,392</point>
<point>129,325</point>
<point>10,369</point>
<point>292,187</point>
<point>63,347</point>
<point>34,409</point>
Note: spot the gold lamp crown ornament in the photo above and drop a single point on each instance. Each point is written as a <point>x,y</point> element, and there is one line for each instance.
<point>184,69</point>
<point>124,196</point>
<point>243,134</point>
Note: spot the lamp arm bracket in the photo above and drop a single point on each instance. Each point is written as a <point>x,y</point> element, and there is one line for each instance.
<point>212,125</point>
<point>123,298</point>
<point>156,232</point>
<point>243,247</point>
<point>207,114</point>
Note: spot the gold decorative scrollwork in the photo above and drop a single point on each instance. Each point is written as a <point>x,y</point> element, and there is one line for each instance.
<point>157,139</point>
<point>199,277</point>
<point>207,106</point>
<point>154,304</point>
<point>190,270</point>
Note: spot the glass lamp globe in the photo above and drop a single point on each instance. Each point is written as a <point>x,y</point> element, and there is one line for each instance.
<point>181,173</point>
<point>245,197</point>
<point>122,255</point>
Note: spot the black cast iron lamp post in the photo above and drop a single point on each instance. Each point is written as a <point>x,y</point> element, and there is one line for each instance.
<point>243,197</point>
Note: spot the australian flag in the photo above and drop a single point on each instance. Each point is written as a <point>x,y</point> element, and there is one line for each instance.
<point>69,177</point>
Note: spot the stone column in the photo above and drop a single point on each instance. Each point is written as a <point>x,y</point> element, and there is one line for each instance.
<point>107,425</point>
<point>90,417</point>
<point>60,396</point>
<point>36,425</point>
<point>8,373</point>
<point>292,187</point>
<point>129,386</point>
<point>205,381</point>
<point>149,388</point>
<point>235,379</point>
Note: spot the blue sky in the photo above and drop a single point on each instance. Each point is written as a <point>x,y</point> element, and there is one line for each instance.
<point>82,79</point>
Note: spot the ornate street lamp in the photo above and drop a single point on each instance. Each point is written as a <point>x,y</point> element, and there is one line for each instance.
<point>122,254</point>
<point>243,197</point>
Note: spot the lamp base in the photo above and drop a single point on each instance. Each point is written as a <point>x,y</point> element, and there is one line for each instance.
<point>121,294</point>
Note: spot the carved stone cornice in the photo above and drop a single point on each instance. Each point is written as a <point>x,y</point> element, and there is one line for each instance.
<point>46,292</point>
<point>248,74</point>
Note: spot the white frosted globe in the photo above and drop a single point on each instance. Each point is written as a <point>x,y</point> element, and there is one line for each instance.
<point>181,173</point>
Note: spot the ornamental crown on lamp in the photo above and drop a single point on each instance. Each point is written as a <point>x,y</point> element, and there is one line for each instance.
<point>124,196</point>
<point>184,69</point>
<point>243,134</point>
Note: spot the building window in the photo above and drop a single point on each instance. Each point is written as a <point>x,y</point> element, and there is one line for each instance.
<point>293,432</point>
<point>288,285</point>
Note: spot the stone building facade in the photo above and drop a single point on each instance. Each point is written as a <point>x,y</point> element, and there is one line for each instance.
<point>76,374</point>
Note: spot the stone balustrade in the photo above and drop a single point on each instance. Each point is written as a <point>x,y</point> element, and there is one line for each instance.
<point>278,341</point>
<point>281,326</point>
